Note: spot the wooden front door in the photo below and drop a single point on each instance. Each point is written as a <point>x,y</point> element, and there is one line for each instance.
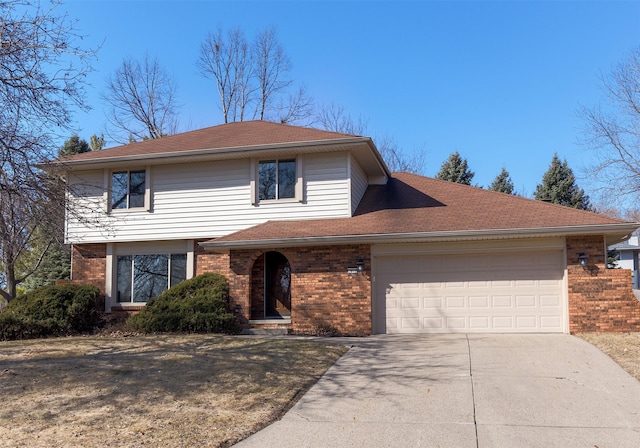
<point>277,285</point>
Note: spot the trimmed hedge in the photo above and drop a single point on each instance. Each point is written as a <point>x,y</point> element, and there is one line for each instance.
<point>197,305</point>
<point>50,311</point>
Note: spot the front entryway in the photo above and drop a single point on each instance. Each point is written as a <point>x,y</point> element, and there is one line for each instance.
<point>271,287</point>
<point>277,285</point>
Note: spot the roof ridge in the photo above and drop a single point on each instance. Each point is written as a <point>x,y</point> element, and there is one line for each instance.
<point>238,134</point>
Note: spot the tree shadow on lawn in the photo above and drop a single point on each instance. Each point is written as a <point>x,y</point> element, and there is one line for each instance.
<point>53,381</point>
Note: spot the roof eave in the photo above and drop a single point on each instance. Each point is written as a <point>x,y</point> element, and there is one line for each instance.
<point>228,151</point>
<point>615,231</point>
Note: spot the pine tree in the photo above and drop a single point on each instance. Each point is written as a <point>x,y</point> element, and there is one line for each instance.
<point>74,145</point>
<point>56,265</point>
<point>559,186</point>
<point>502,183</point>
<point>455,169</point>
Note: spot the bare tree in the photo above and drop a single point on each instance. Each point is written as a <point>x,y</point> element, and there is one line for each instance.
<point>226,59</point>
<point>252,77</point>
<point>42,72</point>
<point>613,131</point>
<point>142,101</point>
<point>335,118</point>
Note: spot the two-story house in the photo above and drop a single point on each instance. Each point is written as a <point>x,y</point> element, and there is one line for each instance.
<point>314,233</point>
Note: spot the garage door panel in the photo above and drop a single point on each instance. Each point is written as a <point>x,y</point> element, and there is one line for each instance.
<point>432,302</point>
<point>433,323</point>
<point>550,322</point>
<point>525,301</point>
<point>479,323</point>
<point>509,292</point>
<point>478,302</point>
<point>526,322</point>
<point>410,323</point>
<point>550,301</point>
<point>503,322</point>
<point>410,302</point>
<point>502,301</point>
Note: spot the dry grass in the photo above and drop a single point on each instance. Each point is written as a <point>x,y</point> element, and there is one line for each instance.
<point>151,391</point>
<point>623,348</point>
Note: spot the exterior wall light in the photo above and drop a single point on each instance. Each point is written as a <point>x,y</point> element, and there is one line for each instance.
<point>358,268</point>
<point>582,259</point>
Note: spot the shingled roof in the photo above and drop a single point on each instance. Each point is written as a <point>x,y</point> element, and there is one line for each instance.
<point>231,135</point>
<point>411,207</point>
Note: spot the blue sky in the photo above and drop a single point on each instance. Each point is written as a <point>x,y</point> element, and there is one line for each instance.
<point>500,82</point>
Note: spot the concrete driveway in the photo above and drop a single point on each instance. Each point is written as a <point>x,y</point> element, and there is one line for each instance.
<point>475,391</point>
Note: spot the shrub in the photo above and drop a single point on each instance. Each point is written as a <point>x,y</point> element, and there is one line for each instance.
<point>50,311</point>
<point>197,305</point>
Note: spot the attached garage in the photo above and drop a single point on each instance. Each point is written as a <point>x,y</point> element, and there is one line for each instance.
<point>505,291</point>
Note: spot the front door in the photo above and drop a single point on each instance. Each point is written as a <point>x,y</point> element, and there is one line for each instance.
<point>277,285</point>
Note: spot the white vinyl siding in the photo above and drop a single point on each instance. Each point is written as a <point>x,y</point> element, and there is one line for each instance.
<point>358,184</point>
<point>208,200</point>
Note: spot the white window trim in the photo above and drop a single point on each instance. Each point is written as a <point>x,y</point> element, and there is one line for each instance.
<point>108,175</point>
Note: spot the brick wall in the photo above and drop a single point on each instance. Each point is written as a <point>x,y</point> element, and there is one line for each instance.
<point>600,299</point>
<point>324,297</point>
<point>89,263</point>
<point>210,262</point>
<point>257,288</point>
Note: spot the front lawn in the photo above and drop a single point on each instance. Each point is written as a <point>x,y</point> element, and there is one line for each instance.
<point>623,348</point>
<point>151,391</point>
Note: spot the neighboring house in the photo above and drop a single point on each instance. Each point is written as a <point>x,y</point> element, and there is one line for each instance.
<point>627,252</point>
<point>315,234</point>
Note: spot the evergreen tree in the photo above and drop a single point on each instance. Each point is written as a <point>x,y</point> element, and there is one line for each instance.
<point>55,265</point>
<point>502,183</point>
<point>74,145</point>
<point>455,169</point>
<point>559,186</point>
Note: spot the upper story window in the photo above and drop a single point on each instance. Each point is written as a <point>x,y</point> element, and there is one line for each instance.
<point>128,189</point>
<point>276,179</point>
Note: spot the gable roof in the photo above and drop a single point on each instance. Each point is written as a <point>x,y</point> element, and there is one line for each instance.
<point>244,134</point>
<point>243,139</point>
<point>410,207</point>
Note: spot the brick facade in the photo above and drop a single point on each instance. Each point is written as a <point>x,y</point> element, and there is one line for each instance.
<point>326,299</point>
<point>89,264</point>
<point>600,299</point>
<point>210,262</point>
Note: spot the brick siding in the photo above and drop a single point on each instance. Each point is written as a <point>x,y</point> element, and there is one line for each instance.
<point>257,289</point>
<point>210,262</point>
<point>600,299</point>
<point>89,262</point>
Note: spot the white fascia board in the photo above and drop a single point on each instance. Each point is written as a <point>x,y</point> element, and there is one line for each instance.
<point>605,229</point>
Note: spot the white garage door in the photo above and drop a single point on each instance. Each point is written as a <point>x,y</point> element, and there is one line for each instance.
<point>503,292</point>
